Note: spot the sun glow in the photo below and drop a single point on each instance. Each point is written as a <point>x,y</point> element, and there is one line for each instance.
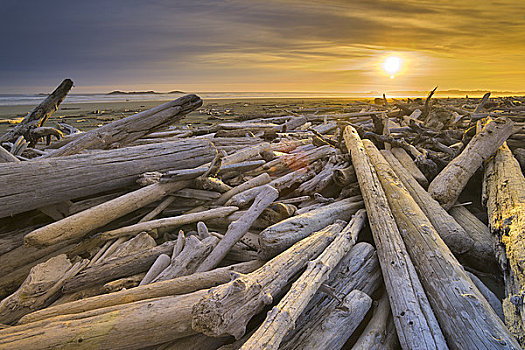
<point>392,65</point>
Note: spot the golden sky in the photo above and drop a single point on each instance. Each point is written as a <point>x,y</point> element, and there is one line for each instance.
<point>270,45</point>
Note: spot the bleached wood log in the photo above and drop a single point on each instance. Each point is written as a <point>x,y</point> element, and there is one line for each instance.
<point>185,174</point>
<point>380,333</point>
<point>129,129</point>
<point>195,342</point>
<point>335,329</point>
<point>359,269</point>
<point>483,240</point>
<point>238,228</point>
<point>117,268</point>
<point>228,308</point>
<point>189,259</point>
<point>322,179</point>
<point>505,202</point>
<point>80,224</point>
<point>404,158</point>
<point>415,322</point>
<point>19,262</point>
<point>176,286</point>
<point>128,326</point>
<point>283,316</point>
<point>41,277</point>
<point>465,245</point>
<point>158,266</point>
<point>6,157</point>
<point>437,268</point>
<point>493,300</point>
<point>168,222</point>
<point>39,115</point>
<point>257,181</point>
<point>101,171</point>
<point>277,238</point>
<point>448,184</point>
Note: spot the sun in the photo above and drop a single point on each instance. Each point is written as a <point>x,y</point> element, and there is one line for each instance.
<point>392,65</point>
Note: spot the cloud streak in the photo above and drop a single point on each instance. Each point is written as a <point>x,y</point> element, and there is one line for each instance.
<point>260,45</point>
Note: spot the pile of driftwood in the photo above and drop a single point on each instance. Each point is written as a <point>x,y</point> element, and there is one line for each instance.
<point>306,230</point>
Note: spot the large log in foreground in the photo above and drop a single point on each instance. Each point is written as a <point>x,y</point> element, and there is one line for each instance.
<point>127,130</point>
<point>37,183</point>
<point>505,200</point>
<point>415,322</point>
<point>436,266</point>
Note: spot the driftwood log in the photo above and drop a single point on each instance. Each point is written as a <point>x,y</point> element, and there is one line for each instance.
<point>466,245</point>
<point>283,316</point>
<point>284,234</point>
<point>128,326</point>
<point>380,333</point>
<point>228,308</point>
<point>37,184</point>
<point>176,286</point>
<point>39,115</point>
<point>80,224</point>
<point>505,201</point>
<point>448,184</point>
<point>437,266</point>
<point>126,130</point>
<point>415,322</point>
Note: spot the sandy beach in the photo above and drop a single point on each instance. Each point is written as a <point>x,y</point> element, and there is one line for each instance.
<point>86,116</point>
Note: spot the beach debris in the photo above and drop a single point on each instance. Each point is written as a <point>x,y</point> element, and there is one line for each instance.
<point>233,231</point>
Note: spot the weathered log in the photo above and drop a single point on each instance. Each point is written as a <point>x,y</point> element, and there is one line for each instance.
<point>344,176</point>
<point>129,129</point>
<point>228,308</point>
<point>169,222</point>
<point>284,234</point>
<point>180,285</point>
<point>380,333</point>
<point>359,269</point>
<point>493,300</point>
<point>6,157</point>
<point>283,316</point>
<point>260,180</point>
<point>195,342</point>
<point>158,266</point>
<point>466,245</point>
<point>117,268</point>
<point>437,267</point>
<point>448,184</point>
<point>128,326</point>
<point>505,202</point>
<point>415,322</point>
<point>189,259</point>
<point>41,277</point>
<point>39,115</point>
<point>238,228</point>
<point>185,174</point>
<point>338,325</point>
<point>408,163</point>
<point>80,224</point>
<point>483,250</point>
<point>36,184</point>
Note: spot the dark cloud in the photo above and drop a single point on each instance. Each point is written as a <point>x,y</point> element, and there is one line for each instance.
<point>137,43</point>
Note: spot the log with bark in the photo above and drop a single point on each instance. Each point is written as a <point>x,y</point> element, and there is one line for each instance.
<point>504,196</point>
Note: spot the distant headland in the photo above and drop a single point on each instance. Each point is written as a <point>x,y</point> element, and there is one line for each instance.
<point>150,92</point>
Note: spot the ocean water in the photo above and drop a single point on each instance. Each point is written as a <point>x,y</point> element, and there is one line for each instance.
<point>22,100</point>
